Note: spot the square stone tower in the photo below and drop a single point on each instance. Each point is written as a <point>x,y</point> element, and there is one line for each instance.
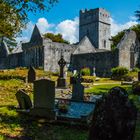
<point>95,24</point>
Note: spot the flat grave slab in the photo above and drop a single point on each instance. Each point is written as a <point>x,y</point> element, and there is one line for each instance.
<point>76,110</point>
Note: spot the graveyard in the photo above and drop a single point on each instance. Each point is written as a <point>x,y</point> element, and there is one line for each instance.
<point>19,124</point>
<point>69,76</point>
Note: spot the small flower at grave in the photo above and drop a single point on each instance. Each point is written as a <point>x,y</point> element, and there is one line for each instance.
<point>63,106</point>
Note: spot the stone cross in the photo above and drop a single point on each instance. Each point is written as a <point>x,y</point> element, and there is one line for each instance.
<point>62,64</point>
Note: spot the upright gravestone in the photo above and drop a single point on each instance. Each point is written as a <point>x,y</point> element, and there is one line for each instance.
<point>77,89</point>
<point>139,76</point>
<point>23,100</point>
<point>61,81</point>
<point>44,99</point>
<point>114,117</point>
<point>94,69</point>
<point>31,75</point>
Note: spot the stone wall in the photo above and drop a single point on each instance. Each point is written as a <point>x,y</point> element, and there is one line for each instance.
<point>33,55</point>
<point>129,50</point>
<point>52,53</point>
<point>95,24</point>
<point>103,62</point>
<point>33,51</point>
<point>15,60</point>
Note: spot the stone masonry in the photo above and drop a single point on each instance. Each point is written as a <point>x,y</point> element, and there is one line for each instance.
<point>95,24</point>
<point>92,50</point>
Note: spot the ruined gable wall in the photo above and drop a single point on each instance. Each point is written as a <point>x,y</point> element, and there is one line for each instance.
<point>14,60</point>
<point>33,54</point>
<point>129,50</point>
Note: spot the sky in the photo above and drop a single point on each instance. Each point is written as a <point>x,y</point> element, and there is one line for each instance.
<point>64,17</point>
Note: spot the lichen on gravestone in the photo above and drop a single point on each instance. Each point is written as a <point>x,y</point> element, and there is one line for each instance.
<point>114,117</point>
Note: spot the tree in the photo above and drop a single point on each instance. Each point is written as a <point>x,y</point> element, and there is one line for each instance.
<point>137,14</point>
<point>14,14</point>
<point>117,38</point>
<point>55,38</point>
<point>136,28</point>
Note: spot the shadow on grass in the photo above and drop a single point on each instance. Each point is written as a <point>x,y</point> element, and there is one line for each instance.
<point>24,127</point>
<point>15,123</point>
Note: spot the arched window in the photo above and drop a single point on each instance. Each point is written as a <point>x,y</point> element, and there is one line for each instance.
<point>132,59</point>
<point>104,43</point>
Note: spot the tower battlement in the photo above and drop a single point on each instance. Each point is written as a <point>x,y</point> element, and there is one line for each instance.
<point>95,23</point>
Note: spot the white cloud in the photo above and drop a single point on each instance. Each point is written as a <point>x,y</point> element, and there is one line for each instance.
<point>69,29</point>
<point>133,18</point>
<point>117,27</point>
<point>26,33</point>
<point>43,25</point>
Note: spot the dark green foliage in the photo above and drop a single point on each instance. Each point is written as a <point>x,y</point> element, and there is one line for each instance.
<point>136,28</point>
<point>119,72</point>
<point>135,69</point>
<point>14,14</point>
<point>137,14</point>
<point>88,79</point>
<point>111,120</point>
<point>25,6</point>
<point>136,88</point>
<point>55,38</point>
<point>116,39</point>
<point>85,71</point>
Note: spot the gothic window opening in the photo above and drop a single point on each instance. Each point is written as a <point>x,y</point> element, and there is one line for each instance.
<point>104,43</point>
<point>132,59</point>
<point>87,33</point>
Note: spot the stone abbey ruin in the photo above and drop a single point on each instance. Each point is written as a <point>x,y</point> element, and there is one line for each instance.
<point>92,50</point>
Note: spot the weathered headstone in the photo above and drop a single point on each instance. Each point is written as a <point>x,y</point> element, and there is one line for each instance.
<point>72,80</point>
<point>77,88</point>
<point>31,75</point>
<point>23,100</point>
<point>139,76</point>
<point>94,69</point>
<point>44,98</point>
<point>114,117</point>
<point>136,88</point>
<point>61,81</point>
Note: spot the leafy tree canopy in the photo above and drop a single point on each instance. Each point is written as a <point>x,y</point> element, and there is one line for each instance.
<point>116,39</point>
<point>14,14</point>
<point>137,14</point>
<point>55,38</point>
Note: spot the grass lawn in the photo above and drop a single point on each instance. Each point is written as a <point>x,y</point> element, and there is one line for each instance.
<point>104,88</point>
<point>16,126</point>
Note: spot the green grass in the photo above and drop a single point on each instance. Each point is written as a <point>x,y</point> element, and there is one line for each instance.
<point>137,132</point>
<point>14,125</point>
<point>101,89</point>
